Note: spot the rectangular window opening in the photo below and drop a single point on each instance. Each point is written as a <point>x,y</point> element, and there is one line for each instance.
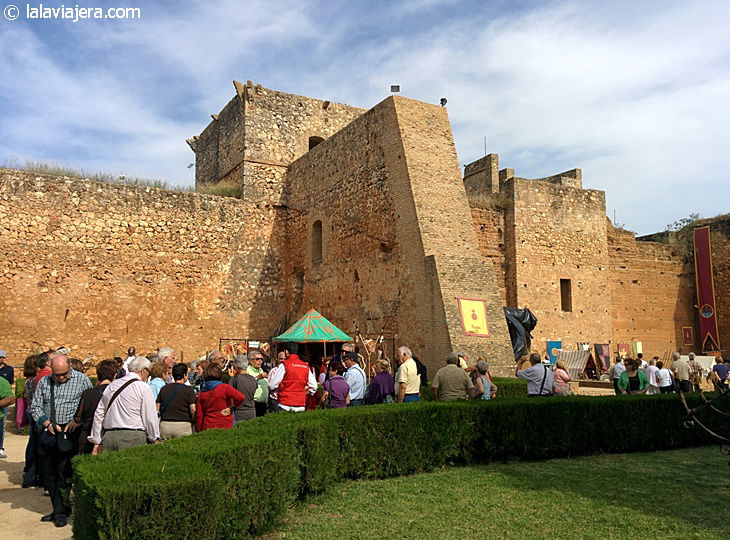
<point>566,295</point>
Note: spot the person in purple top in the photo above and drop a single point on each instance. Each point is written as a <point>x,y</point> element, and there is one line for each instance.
<point>336,387</point>
<point>381,388</point>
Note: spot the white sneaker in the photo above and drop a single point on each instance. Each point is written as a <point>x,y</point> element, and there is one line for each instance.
<point>3,454</point>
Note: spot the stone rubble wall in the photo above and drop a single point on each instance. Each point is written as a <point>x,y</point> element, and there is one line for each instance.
<point>560,233</point>
<point>259,133</point>
<point>99,267</point>
<point>536,232</point>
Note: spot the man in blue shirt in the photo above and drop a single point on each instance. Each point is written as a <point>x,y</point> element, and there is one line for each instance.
<point>355,377</point>
<point>721,371</point>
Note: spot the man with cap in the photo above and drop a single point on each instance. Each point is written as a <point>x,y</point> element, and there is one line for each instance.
<point>55,401</point>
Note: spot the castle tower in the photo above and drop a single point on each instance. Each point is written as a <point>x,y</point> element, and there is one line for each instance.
<point>252,141</point>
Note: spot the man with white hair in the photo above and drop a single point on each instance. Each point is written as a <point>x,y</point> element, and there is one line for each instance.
<point>126,415</point>
<point>695,373</point>
<point>451,381</point>
<point>218,358</point>
<point>167,356</point>
<point>407,379</point>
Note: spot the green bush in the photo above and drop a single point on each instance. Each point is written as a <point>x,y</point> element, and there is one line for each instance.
<point>234,483</point>
<point>508,387</point>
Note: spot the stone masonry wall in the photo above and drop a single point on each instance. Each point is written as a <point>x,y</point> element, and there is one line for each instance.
<point>99,267</point>
<point>447,236</point>
<point>259,133</point>
<point>343,184</point>
<point>279,125</point>
<point>560,233</point>
<point>390,254</point>
<point>652,294</point>
<point>489,224</point>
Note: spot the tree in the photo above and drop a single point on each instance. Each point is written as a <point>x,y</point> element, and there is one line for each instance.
<point>682,223</point>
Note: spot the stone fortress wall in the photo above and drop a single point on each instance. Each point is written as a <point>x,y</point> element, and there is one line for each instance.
<point>99,267</point>
<point>361,214</point>
<point>542,231</point>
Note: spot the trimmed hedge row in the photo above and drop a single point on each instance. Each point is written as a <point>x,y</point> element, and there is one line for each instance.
<point>234,483</point>
<point>508,387</point>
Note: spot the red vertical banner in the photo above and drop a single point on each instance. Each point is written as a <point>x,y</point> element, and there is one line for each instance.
<point>689,335</point>
<point>709,335</point>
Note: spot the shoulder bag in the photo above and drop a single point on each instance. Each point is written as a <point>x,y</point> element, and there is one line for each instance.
<point>543,383</point>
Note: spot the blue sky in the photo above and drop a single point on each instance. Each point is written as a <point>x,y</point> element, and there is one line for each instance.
<point>634,93</point>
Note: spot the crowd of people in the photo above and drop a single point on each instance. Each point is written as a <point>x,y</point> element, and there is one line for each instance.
<point>153,398</point>
<point>637,376</point>
<point>149,399</point>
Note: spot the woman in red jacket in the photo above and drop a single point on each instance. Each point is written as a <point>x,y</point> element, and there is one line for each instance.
<point>216,401</point>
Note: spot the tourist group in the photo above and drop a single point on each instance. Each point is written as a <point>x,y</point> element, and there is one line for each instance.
<point>153,398</point>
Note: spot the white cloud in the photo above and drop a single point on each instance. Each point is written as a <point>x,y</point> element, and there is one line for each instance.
<point>110,98</point>
<point>640,104</point>
<point>634,93</point>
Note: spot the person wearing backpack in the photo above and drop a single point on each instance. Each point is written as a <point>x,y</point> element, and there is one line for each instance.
<point>176,405</point>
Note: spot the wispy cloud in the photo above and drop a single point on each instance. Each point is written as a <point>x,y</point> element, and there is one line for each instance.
<point>634,93</point>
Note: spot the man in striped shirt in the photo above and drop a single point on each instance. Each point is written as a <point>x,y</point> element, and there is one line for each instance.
<point>55,401</point>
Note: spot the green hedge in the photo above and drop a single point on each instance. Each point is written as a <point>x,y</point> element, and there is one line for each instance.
<point>508,387</point>
<point>233,483</point>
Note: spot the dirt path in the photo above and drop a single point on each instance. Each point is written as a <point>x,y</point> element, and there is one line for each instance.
<point>21,509</point>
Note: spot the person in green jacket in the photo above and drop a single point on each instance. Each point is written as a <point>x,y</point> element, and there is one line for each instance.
<point>633,380</point>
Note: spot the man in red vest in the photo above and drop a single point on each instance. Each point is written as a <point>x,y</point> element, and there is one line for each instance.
<point>293,381</point>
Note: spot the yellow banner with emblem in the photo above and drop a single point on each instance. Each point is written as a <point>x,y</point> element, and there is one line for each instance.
<point>474,317</point>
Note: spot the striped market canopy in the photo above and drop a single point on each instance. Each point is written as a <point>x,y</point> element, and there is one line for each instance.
<point>575,361</point>
<point>313,328</point>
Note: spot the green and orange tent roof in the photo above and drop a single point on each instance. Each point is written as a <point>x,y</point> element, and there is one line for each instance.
<point>313,328</point>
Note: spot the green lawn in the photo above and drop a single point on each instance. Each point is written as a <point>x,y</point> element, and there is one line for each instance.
<point>672,494</point>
